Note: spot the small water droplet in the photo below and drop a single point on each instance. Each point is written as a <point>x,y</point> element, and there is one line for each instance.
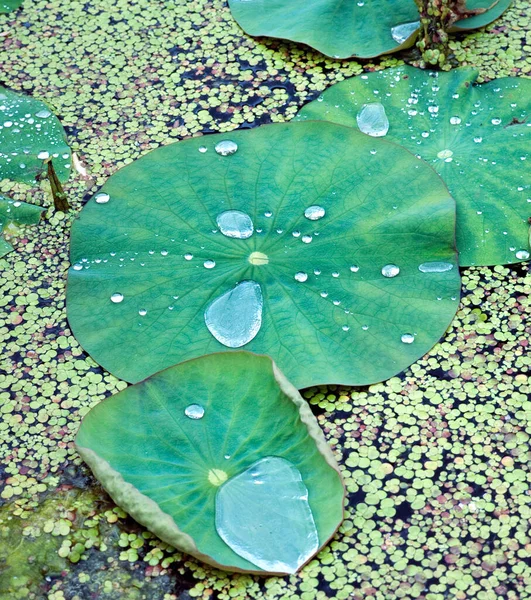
<point>306,239</point>
<point>296,234</point>
<point>372,120</point>
<point>496,121</point>
<point>43,155</point>
<point>314,212</point>
<point>455,120</point>
<point>345,328</point>
<point>365,327</point>
<point>300,276</point>
<point>142,312</point>
<point>43,114</point>
<point>335,274</point>
<point>163,253</point>
<point>235,224</point>
<point>522,255</point>
<point>194,411</point>
<point>202,149</point>
<point>77,267</point>
<point>478,139</point>
<point>226,148</point>
<point>354,268</point>
<point>435,267</point>
<point>324,294</point>
<point>268,214</point>
<point>209,264</point>
<point>400,33</point>
<point>117,297</point>
<point>390,270</point>
<point>188,256</point>
<point>102,198</point>
<point>407,338</point>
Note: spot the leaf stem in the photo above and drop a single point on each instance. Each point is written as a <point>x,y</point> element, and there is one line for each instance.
<point>60,200</point>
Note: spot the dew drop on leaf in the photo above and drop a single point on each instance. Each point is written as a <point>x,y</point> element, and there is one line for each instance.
<point>117,298</point>
<point>435,267</point>
<point>102,198</point>
<point>194,411</point>
<point>407,338</point>
<point>372,120</point>
<point>314,212</point>
<point>522,255</point>
<point>400,33</point>
<point>226,147</point>
<point>390,271</point>
<point>235,224</point>
<point>300,276</point>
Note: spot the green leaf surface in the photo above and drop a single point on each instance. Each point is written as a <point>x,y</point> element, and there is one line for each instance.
<point>346,28</point>
<point>477,137</point>
<point>9,5</point>
<point>30,134</point>
<point>250,436</point>
<point>13,212</point>
<point>155,282</point>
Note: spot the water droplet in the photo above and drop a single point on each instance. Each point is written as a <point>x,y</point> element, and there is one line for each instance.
<point>142,312</point>
<point>296,234</point>
<point>268,214</point>
<point>455,120</point>
<point>390,271</point>
<point>194,411</point>
<point>372,120</point>
<point>314,212</point>
<point>188,256</point>
<point>202,149</point>
<point>306,239</point>
<point>235,224</point>
<point>77,267</point>
<point>400,33</point>
<point>235,317</point>
<point>163,253</point>
<point>445,154</point>
<point>300,276</point>
<point>43,155</point>
<point>354,268</point>
<point>102,198</point>
<point>43,114</point>
<point>209,264</point>
<point>345,328</point>
<point>117,297</point>
<point>365,327</point>
<point>478,139</point>
<point>266,537</point>
<point>335,274</point>
<point>435,267</point>
<point>522,255</point>
<point>316,271</point>
<point>407,338</point>
<point>226,147</point>
<point>496,121</point>
<point>324,294</point>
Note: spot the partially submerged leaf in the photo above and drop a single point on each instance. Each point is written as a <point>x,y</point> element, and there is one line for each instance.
<point>9,5</point>
<point>345,28</point>
<point>17,213</point>
<point>478,138</point>
<point>154,281</point>
<point>29,135</point>
<point>222,458</point>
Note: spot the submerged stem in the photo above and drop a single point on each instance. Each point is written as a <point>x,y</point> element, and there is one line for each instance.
<point>60,200</point>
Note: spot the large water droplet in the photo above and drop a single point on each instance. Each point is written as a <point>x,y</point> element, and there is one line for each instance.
<point>226,147</point>
<point>306,239</point>
<point>209,264</point>
<point>43,155</point>
<point>390,271</point>
<point>435,267</point>
<point>194,411</point>
<point>400,33</point>
<point>372,120</point>
<point>235,224</point>
<point>522,255</point>
<point>235,317</point>
<point>263,514</point>
<point>407,338</point>
<point>300,276</point>
<point>102,198</point>
<point>314,212</point>
<point>43,114</point>
<point>117,297</point>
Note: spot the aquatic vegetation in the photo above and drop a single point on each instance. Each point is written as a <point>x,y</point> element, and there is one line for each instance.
<point>13,213</point>
<point>242,479</point>
<point>477,137</point>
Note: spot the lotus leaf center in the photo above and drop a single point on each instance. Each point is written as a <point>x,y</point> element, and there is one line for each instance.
<point>258,258</point>
<point>217,477</point>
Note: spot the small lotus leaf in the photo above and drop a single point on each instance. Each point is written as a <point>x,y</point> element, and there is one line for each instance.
<point>154,280</point>
<point>13,212</point>
<point>30,134</point>
<point>477,137</point>
<point>345,28</point>
<point>222,458</point>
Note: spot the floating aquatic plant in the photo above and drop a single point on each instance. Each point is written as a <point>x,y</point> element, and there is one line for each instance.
<point>13,213</point>
<point>222,458</point>
<point>345,28</point>
<point>307,243</point>
<point>477,137</point>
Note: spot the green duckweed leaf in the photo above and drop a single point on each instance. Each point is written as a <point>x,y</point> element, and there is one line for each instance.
<point>477,137</point>
<point>30,134</point>
<point>154,281</point>
<point>346,28</point>
<point>9,5</point>
<point>13,212</point>
<point>222,458</point>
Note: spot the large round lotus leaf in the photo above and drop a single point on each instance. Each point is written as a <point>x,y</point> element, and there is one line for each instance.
<point>13,212</point>
<point>30,134</point>
<point>478,138</point>
<point>154,280</point>
<point>222,458</point>
<point>9,5</point>
<point>345,28</point>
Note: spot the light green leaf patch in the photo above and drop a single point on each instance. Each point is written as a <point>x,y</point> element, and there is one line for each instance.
<point>222,458</point>
<point>346,28</point>
<point>29,135</point>
<point>477,137</point>
<point>13,213</point>
<point>159,277</point>
<point>9,5</point>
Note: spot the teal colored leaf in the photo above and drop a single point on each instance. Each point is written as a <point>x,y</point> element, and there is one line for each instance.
<point>9,5</point>
<point>346,28</point>
<point>13,212</point>
<point>203,446</point>
<point>29,135</point>
<point>477,137</point>
<point>154,281</point>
